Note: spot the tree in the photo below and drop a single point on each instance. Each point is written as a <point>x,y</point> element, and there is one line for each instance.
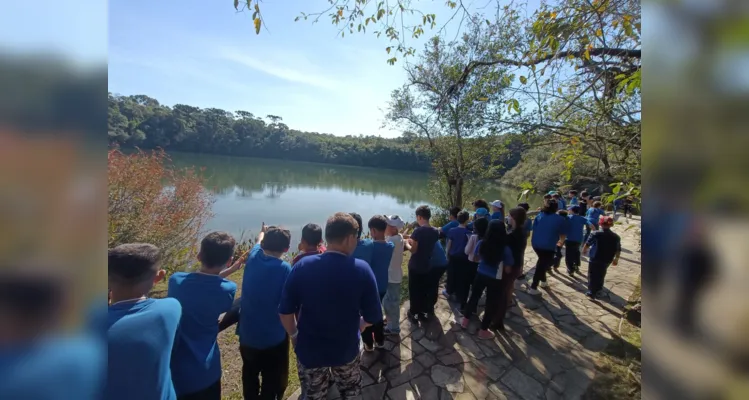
<point>462,146</point>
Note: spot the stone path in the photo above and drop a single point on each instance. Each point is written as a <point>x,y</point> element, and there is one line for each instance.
<point>548,351</point>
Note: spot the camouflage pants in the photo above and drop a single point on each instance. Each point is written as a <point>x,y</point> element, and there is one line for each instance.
<point>316,381</point>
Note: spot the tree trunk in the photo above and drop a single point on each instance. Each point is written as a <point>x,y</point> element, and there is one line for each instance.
<point>458,198</point>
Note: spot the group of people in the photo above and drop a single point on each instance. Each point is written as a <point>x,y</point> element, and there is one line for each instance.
<point>338,295</point>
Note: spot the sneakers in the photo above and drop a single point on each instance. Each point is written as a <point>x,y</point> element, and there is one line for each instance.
<point>379,345</point>
<point>390,332</point>
<point>544,285</point>
<point>485,334</point>
<point>464,322</point>
<point>368,348</point>
<point>534,292</point>
<point>590,295</point>
<point>521,277</point>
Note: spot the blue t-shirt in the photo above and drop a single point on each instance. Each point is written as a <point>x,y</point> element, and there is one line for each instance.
<point>496,215</point>
<point>458,238</point>
<point>426,237</point>
<point>140,336</point>
<point>439,258</point>
<point>574,201</point>
<point>364,250</point>
<point>264,278</point>
<point>381,255</point>
<point>54,368</point>
<point>575,225</point>
<point>528,226</point>
<point>196,359</point>
<point>562,204</point>
<point>449,226</point>
<point>333,290</point>
<point>494,271</point>
<point>593,214</point>
<point>546,230</point>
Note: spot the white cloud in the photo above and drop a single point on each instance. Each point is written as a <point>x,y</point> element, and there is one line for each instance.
<point>280,71</point>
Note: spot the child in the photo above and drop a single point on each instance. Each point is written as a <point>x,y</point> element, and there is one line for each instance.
<point>204,296</point>
<point>573,198</point>
<point>311,243</point>
<point>481,212</point>
<point>605,247</point>
<point>498,210</point>
<point>575,224</point>
<point>392,299</point>
<point>381,255</point>
<point>364,248</point>
<point>584,198</point>
<point>527,228</point>
<point>558,254</point>
<point>517,242</point>
<point>468,274</point>
<point>548,232</point>
<point>494,257</point>
<point>421,242</point>
<point>263,343</point>
<point>593,215</point>
<point>140,331</point>
<point>457,259</point>
<point>438,266</point>
<point>562,204</point>
<point>452,223</point>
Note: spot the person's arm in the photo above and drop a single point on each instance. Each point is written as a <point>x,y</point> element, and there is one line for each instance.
<point>406,245</point>
<point>236,266</point>
<point>508,259</point>
<point>261,235</point>
<point>289,306</point>
<point>589,243</point>
<point>371,309</point>
<point>618,251</point>
<point>447,245</point>
<point>414,241</point>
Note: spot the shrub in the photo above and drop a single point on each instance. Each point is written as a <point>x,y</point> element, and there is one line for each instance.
<point>152,202</point>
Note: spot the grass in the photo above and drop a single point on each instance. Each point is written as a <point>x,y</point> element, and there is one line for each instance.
<point>618,367</point>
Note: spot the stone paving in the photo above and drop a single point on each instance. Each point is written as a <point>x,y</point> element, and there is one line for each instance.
<point>547,353</point>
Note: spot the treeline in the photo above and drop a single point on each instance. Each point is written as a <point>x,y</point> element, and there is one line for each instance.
<point>143,122</point>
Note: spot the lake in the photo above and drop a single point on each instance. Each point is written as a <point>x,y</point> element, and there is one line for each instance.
<point>249,191</point>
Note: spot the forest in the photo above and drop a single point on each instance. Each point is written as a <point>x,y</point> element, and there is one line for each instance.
<point>143,122</point>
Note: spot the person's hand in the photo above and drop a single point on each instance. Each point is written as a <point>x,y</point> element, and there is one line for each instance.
<point>362,324</point>
<point>508,269</point>
<point>615,262</point>
<point>293,341</point>
<point>560,244</point>
<point>263,228</point>
<point>241,260</point>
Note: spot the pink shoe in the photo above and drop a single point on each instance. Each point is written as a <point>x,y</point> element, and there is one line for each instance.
<point>486,334</point>
<point>464,322</point>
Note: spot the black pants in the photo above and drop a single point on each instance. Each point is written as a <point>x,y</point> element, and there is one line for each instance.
<point>272,365</point>
<point>435,275</point>
<point>465,276</point>
<point>558,257</point>
<point>571,255</point>
<point>418,292</point>
<point>545,261</point>
<point>453,264</point>
<point>596,275</point>
<point>493,296</point>
<point>212,392</point>
<point>376,331</point>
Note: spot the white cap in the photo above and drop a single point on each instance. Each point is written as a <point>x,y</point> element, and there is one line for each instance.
<point>497,203</point>
<point>396,221</point>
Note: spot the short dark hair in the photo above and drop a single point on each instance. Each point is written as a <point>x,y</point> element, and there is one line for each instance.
<point>454,211</point>
<point>555,195</point>
<point>312,234</point>
<point>597,204</point>
<point>562,213</point>
<point>360,225</point>
<point>550,207</point>
<point>424,212</point>
<point>463,217</point>
<point>547,196</point>
<point>133,263</point>
<point>573,192</point>
<point>339,226</point>
<point>584,193</point>
<point>525,206</point>
<point>378,222</point>
<point>481,203</point>
<point>575,209</point>
<point>216,249</point>
<point>276,239</point>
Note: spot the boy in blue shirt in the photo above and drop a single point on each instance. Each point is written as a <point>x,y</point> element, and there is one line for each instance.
<point>452,223</point>
<point>573,198</point>
<point>575,224</point>
<point>381,255</point>
<point>364,248</point>
<point>560,200</point>
<point>549,230</point>
<point>457,258</point>
<point>593,215</point>
<point>338,298</point>
<point>140,331</point>
<point>204,296</point>
<point>263,342</point>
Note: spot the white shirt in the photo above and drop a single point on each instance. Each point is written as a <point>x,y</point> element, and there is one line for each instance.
<point>395,271</point>
<point>471,247</point>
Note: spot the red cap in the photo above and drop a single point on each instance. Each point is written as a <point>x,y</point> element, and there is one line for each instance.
<point>606,220</point>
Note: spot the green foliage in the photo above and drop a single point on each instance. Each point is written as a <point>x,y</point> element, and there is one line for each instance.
<point>141,121</point>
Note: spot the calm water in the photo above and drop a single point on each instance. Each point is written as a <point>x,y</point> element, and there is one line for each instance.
<point>250,191</point>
